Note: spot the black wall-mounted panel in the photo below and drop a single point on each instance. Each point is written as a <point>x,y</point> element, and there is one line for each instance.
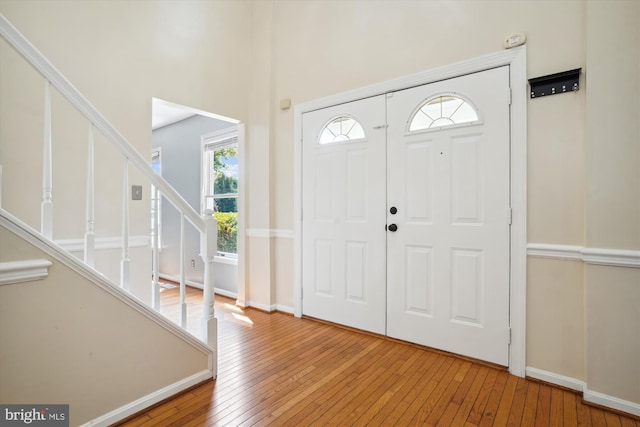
<point>553,84</point>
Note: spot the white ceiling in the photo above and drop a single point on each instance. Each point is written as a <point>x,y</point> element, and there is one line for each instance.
<point>165,114</point>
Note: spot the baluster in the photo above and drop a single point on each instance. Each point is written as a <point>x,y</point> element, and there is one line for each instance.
<point>208,249</point>
<point>89,237</point>
<point>155,295</point>
<point>183,304</point>
<point>124,265</point>
<point>46,219</point>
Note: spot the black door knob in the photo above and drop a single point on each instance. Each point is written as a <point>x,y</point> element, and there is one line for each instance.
<point>393,227</point>
<point>393,210</point>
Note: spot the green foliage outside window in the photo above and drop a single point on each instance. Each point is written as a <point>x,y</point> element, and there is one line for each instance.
<point>227,231</point>
<point>226,209</point>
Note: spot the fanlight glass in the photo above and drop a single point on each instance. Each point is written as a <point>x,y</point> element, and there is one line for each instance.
<point>343,128</point>
<point>441,111</point>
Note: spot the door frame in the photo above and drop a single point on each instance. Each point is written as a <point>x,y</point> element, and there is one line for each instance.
<point>516,58</point>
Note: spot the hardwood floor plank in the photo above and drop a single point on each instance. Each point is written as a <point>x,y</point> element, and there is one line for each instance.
<point>530,405</point>
<point>478,407</point>
<point>613,420</point>
<point>517,405</point>
<point>278,370</point>
<point>543,412</point>
<point>555,411</point>
<point>569,409</point>
<point>493,403</point>
<point>506,401</point>
<point>470,397</point>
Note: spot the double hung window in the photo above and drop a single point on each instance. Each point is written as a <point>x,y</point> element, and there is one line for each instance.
<point>220,187</point>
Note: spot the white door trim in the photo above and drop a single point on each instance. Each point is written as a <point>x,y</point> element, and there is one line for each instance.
<point>516,58</point>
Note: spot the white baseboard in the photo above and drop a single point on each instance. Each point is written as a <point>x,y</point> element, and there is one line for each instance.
<point>284,308</point>
<point>553,378</point>
<point>269,308</point>
<point>150,399</point>
<point>588,395</point>
<point>198,285</point>
<point>612,402</point>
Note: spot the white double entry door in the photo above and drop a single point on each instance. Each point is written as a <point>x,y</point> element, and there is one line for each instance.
<point>406,215</point>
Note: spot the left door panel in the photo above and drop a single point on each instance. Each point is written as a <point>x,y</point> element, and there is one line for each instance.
<point>343,223</point>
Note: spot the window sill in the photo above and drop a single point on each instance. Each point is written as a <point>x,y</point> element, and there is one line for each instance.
<point>225,260</point>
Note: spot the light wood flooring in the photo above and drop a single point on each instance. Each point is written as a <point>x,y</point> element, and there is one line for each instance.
<point>277,370</point>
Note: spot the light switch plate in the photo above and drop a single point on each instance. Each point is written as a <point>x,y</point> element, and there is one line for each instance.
<point>136,192</point>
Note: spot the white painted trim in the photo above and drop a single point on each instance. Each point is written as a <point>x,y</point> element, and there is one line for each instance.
<point>77,245</point>
<point>40,63</point>
<point>542,250</point>
<point>225,260</point>
<point>32,236</point>
<point>554,378</point>
<point>270,233</point>
<point>284,308</point>
<point>148,400</point>
<point>595,256</point>
<point>24,271</point>
<point>588,395</point>
<point>266,307</point>
<point>199,285</point>
<point>241,282</point>
<point>516,59</point>
<point>611,257</point>
<point>611,402</point>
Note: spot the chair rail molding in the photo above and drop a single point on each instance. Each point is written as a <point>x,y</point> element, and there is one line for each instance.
<point>24,271</point>
<point>595,256</point>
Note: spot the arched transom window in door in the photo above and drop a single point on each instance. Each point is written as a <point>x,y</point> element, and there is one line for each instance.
<point>341,129</point>
<point>442,111</point>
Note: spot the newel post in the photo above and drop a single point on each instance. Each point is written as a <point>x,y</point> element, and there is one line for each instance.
<point>208,250</point>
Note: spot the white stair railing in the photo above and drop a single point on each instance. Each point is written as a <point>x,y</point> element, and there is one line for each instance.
<point>205,224</point>
<point>46,216</point>
<point>89,237</point>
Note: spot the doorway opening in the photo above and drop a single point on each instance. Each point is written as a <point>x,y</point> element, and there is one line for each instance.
<point>178,154</point>
<point>516,96</point>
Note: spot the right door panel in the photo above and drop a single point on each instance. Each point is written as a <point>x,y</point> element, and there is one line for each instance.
<point>448,177</point>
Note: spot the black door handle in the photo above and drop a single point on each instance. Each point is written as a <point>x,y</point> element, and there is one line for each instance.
<point>393,227</point>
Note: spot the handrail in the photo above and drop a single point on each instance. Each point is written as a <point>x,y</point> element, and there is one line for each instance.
<point>73,95</point>
<point>205,224</point>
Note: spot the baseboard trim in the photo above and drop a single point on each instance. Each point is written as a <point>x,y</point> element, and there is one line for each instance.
<point>611,402</point>
<point>269,308</point>
<point>150,399</point>
<point>595,256</point>
<point>588,395</point>
<point>553,378</point>
<point>198,285</point>
<point>24,271</point>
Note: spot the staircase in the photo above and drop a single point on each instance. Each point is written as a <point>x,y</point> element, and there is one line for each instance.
<point>90,341</point>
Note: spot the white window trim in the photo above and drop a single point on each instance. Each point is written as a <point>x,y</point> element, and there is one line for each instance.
<point>218,139</point>
<point>441,128</point>
<point>158,150</point>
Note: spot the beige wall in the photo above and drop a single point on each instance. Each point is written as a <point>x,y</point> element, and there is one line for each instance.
<point>65,340</point>
<point>119,54</point>
<point>323,48</point>
<point>583,160</point>
<point>612,207</point>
